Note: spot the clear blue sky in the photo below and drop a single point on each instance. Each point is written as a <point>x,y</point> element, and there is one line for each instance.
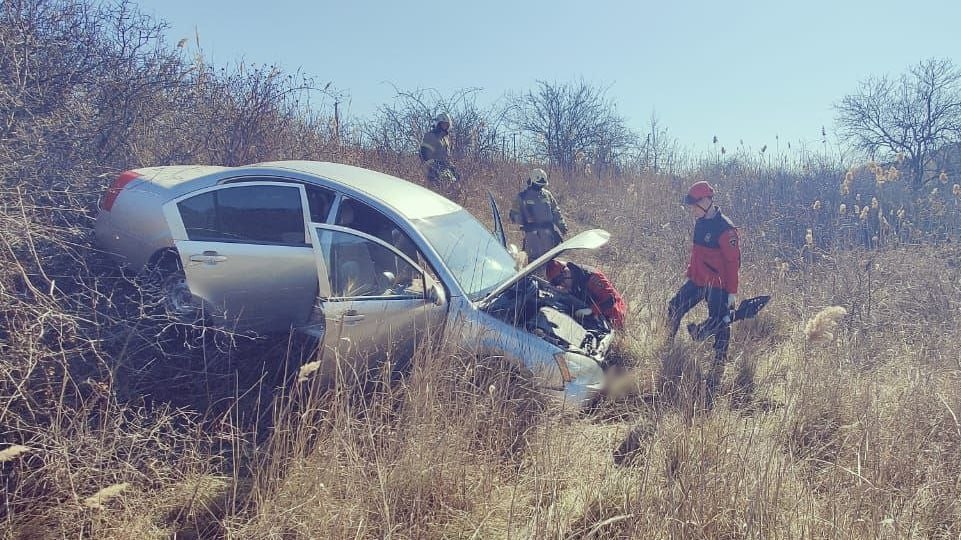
<point>746,70</point>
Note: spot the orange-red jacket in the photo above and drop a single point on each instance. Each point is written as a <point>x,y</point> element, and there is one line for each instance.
<point>716,254</point>
<point>593,287</point>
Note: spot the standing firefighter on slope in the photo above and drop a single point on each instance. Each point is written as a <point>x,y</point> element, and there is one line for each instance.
<point>536,211</point>
<point>435,150</point>
<point>712,275</point>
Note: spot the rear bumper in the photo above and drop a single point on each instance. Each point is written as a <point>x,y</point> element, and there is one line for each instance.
<point>120,244</point>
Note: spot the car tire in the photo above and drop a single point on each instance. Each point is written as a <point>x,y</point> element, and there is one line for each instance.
<point>170,293</point>
<point>178,302</point>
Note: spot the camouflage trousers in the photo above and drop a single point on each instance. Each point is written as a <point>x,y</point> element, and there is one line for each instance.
<point>540,240</point>
<point>442,173</point>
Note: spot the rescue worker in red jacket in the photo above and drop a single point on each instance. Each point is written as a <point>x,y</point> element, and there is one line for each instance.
<point>591,287</point>
<point>712,275</point>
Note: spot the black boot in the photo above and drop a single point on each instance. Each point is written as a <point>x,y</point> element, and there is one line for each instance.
<point>706,329</point>
<point>672,327</point>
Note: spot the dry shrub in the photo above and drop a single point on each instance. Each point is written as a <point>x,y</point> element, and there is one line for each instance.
<point>907,444</point>
<point>766,331</point>
<point>713,471</point>
<point>700,478</point>
<point>744,384</point>
<point>417,455</point>
<point>679,383</point>
<point>821,327</point>
<point>637,441</point>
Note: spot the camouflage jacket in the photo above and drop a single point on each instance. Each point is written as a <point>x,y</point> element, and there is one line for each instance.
<point>537,208</point>
<point>436,146</point>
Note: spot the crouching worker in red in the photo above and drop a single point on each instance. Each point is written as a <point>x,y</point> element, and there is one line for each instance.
<point>592,288</point>
<point>712,275</point>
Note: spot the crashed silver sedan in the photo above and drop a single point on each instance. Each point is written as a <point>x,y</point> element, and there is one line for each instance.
<point>363,261</point>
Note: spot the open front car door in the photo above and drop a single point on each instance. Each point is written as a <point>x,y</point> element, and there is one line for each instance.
<point>377,303</point>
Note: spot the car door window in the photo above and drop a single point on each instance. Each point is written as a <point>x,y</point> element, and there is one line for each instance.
<point>359,266</point>
<point>199,215</point>
<point>364,218</point>
<point>319,200</point>
<point>259,214</point>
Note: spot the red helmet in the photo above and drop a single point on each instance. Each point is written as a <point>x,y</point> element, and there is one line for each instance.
<point>698,191</point>
<point>554,269</point>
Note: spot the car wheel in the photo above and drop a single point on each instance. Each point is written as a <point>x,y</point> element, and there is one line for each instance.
<point>179,303</point>
<point>169,293</point>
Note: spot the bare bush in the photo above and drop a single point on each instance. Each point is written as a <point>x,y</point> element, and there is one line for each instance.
<point>566,123</point>
<point>397,128</point>
<point>916,116</point>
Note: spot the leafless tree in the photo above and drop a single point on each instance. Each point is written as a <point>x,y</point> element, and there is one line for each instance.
<point>569,122</point>
<point>916,115</point>
<point>399,126</point>
<point>658,151</point>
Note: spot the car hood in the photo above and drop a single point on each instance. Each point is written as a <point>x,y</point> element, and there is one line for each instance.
<point>591,239</point>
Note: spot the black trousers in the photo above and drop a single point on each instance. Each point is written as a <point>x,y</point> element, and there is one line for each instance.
<point>690,295</point>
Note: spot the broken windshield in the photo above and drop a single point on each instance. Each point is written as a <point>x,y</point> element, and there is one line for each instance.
<point>472,254</point>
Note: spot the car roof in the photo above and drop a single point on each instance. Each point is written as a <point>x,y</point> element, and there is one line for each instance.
<point>409,199</point>
<point>172,176</point>
<point>406,198</point>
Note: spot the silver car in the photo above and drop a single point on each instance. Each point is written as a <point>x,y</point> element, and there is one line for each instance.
<point>363,261</point>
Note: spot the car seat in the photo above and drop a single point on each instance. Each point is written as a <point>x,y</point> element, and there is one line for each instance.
<point>354,271</point>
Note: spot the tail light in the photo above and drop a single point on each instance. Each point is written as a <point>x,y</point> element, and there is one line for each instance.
<point>106,203</point>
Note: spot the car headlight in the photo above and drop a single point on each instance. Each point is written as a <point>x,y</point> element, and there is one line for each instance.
<point>578,367</point>
<point>561,358</point>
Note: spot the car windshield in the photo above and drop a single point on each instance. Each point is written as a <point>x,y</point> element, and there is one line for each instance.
<point>476,259</point>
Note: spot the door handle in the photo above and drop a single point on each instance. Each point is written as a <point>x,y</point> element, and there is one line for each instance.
<point>209,257</point>
<point>351,316</point>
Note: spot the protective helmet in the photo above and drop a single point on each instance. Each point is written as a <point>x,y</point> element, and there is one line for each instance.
<point>698,191</point>
<point>553,269</point>
<point>443,117</point>
<point>537,178</point>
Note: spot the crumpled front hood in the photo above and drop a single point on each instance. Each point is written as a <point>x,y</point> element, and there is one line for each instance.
<point>561,325</point>
<point>591,239</point>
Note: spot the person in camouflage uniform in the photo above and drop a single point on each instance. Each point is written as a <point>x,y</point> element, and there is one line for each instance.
<point>538,215</point>
<point>435,151</point>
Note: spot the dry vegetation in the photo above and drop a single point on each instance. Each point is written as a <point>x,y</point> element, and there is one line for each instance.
<point>840,409</point>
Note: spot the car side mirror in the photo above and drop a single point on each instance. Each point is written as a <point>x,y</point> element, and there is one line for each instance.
<point>435,294</point>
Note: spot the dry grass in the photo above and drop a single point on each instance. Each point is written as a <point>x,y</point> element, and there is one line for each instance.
<point>832,422</point>
<point>855,435</point>
<point>821,327</point>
